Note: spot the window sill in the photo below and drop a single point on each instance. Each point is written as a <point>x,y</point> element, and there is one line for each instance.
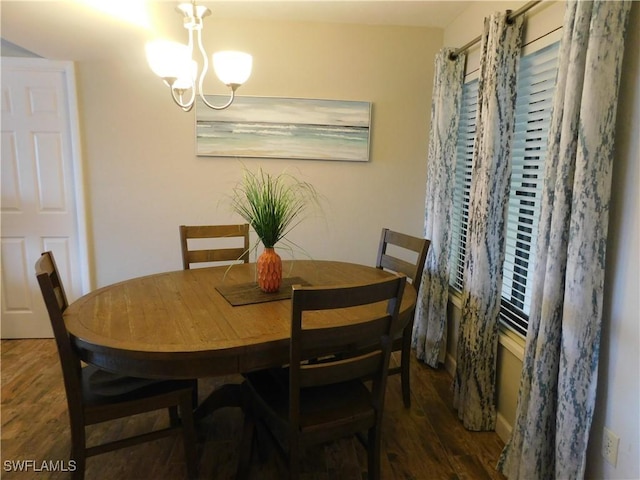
<point>455,298</point>
<point>513,342</point>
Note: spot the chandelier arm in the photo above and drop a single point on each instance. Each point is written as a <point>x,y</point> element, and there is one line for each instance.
<point>205,64</point>
<point>205,68</point>
<point>186,107</point>
<point>221,107</point>
<point>190,43</point>
<point>189,105</point>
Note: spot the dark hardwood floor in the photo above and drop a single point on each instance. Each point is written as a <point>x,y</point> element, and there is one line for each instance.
<point>424,442</point>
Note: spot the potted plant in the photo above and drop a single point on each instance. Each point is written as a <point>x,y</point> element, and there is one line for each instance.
<point>272,205</point>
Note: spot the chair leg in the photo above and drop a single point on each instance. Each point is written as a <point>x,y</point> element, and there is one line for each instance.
<point>78,450</point>
<point>246,446</point>
<point>405,365</point>
<point>373,453</point>
<point>79,465</point>
<point>189,436</point>
<point>294,460</point>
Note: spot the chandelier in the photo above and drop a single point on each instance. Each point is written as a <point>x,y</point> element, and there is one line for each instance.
<point>174,63</point>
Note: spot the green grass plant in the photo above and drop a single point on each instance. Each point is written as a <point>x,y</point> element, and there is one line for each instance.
<point>272,204</point>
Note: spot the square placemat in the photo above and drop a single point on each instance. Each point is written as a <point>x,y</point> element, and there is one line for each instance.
<point>248,293</point>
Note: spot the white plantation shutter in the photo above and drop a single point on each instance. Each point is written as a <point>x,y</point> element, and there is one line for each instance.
<point>536,84</point>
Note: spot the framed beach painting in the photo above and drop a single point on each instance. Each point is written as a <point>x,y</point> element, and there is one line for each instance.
<point>269,127</point>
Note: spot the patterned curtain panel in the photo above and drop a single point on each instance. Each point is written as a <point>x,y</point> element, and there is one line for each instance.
<point>474,383</point>
<point>559,377</point>
<point>431,312</point>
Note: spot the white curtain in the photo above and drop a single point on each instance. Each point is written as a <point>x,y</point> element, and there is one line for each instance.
<point>558,383</point>
<point>474,383</point>
<point>429,331</point>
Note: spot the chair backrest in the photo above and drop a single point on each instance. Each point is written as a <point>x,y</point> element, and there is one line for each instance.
<point>412,269</point>
<point>330,326</point>
<point>55,300</point>
<point>224,254</point>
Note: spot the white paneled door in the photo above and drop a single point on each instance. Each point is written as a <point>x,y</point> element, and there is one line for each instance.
<point>42,206</point>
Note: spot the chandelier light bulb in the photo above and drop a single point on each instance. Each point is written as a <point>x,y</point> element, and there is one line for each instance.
<point>232,68</point>
<point>168,59</point>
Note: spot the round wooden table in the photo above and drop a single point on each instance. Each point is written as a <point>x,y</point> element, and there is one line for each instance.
<point>179,325</point>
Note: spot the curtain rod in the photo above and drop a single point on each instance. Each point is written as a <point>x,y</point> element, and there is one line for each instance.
<point>510,16</point>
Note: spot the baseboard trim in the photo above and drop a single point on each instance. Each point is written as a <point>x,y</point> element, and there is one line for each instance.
<point>503,428</point>
<point>450,364</point>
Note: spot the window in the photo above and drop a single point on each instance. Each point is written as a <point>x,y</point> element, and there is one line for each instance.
<point>536,84</point>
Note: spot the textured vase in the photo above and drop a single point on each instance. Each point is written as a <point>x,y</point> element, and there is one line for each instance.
<point>269,271</point>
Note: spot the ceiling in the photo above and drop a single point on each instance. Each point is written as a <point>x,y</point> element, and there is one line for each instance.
<point>79,30</point>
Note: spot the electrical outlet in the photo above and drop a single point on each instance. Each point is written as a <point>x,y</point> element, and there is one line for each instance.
<point>610,443</point>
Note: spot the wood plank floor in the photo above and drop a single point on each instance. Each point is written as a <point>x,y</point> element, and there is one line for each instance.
<point>424,442</point>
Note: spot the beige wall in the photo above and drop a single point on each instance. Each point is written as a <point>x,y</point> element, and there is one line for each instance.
<point>618,397</point>
<point>143,179</point>
<point>618,385</point>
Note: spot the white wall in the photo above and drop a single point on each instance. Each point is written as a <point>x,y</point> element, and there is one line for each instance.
<point>618,402</point>
<point>143,179</point>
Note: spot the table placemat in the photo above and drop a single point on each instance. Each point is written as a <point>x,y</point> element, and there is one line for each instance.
<point>248,293</point>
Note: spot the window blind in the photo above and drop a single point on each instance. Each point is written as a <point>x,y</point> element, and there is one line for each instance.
<point>536,84</point>
<point>464,156</point>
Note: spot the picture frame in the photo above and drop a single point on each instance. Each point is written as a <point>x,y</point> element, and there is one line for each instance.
<point>286,128</point>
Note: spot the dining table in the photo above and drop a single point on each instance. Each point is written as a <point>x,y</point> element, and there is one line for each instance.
<point>203,322</point>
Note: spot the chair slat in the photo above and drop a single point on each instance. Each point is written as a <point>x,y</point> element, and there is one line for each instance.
<point>220,255</point>
<point>223,254</point>
<point>216,231</point>
<point>398,265</point>
<point>341,370</point>
<point>330,340</point>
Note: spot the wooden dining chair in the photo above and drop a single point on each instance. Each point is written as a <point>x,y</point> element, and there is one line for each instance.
<point>321,395</point>
<point>407,255</point>
<point>95,396</point>
<point>225,253</point>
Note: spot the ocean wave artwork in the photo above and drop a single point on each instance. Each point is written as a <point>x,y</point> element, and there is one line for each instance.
<point>270,127</point>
